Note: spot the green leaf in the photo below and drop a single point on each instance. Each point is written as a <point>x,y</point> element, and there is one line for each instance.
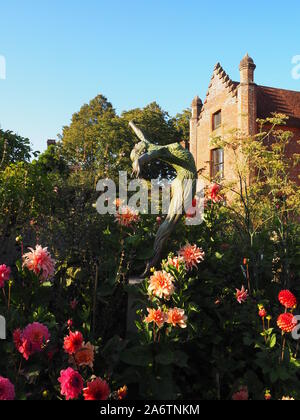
<point>273,376</point>
<point>181,359</point>
<point>166,357</point>
<point>273,341</point>
<point>137,356</point>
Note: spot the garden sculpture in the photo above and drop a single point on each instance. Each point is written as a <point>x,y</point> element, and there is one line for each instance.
<point>183,163</point>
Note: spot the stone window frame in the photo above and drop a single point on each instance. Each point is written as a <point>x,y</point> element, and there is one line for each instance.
<point>216,125</point>
<point>217,169</point>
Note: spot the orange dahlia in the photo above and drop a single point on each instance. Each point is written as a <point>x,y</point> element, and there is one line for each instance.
<point>161,285</point>
<point>175,262</point>
<point>287,299</point>
<point>157,316</point>
<point>127,217</point>
<point>286,322</point>
<point>85,355</point>
<point>40,262</point>
<point>177,317</point>
<point>192,255</point>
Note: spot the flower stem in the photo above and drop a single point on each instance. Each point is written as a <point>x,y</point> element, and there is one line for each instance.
<point>283,347</point>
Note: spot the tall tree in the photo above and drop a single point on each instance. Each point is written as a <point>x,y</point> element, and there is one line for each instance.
<point>94,141</point>
<point>182,125</point>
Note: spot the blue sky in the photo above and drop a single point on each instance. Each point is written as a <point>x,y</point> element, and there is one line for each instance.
<point>62,53</point>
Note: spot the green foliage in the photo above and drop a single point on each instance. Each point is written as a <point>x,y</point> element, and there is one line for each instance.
<point>252,240</point>
<point>13,148</point>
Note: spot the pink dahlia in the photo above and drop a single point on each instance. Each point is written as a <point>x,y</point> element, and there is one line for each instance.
<point>24,347</point>
<point>4,274</point>
<point>97,390</point>
<point>32,339</point>
<point>161,285</point>
<point>37,335</point>
<point>241,295</point>
<point>40,262</point>
<point>7,390</point>
<point>71,383</point>
<point>192,255</point>
<point>127,216</point>
<point>17,337</point>
<point>73,342</point>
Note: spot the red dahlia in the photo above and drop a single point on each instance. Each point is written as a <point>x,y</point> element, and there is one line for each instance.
<point>286,322</point>
<point>73,342</point>
<point>287,299</point>
<point>97,390</point>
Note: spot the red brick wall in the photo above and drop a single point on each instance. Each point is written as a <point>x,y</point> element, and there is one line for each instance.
<point>219,98</point>
<point>239,104</point>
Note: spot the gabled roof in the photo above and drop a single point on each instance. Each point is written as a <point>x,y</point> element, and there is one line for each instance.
<point>269,100</point>
<point>282,101</point>
<point>226,80</point>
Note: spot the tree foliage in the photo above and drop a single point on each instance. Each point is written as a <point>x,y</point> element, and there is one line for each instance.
<point>13,148</point>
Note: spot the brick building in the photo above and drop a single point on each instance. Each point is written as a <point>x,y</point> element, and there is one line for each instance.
<point>237,105</point>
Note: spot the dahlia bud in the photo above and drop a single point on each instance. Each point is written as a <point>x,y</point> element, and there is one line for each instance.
<point>268,395</point>
<point>70,323</point>
<point>73,304</point>
<point>122,393</point>
<point>45,394</point>
<point>262,313</point>
<point>19,239</point>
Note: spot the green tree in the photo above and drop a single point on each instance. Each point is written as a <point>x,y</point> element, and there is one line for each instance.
<point>182,125</point>
<point>13,148</point>
<point>94,142</point>
<point>156,123</point>
<point>52,160</point>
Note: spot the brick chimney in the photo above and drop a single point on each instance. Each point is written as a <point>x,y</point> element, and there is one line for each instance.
<point>247,100</point>
<point>51,142</point>
<point>196,110</point>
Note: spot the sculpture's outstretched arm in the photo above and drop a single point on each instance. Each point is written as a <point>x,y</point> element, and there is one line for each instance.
<point>139,133</point>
